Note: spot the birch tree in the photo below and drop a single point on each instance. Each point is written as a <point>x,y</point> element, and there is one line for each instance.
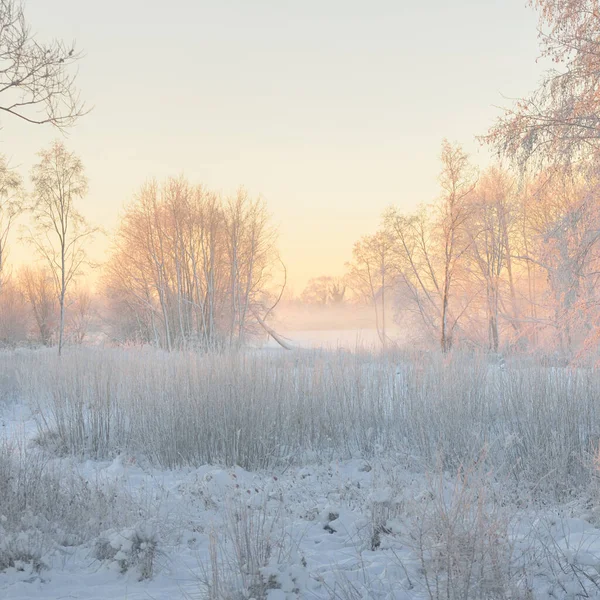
<point>457,180</point>
<point>560,121</point>
<point>60,232</point>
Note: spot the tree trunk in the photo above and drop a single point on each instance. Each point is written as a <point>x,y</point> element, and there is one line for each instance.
<point>62,300</point>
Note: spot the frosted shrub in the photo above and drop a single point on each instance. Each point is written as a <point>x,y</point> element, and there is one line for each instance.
<point>21,550</point>
<point>461,538</point>
<point>132,548</point>
<point>42,506</point>
<point>251,555</point>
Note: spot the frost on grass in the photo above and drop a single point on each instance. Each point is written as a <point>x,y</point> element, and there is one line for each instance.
<point>131,548</point>
<point>45,505</point>
<point>315,474</point>
<point>461,537</point>
<point>273,410</point>
<point>253,554</point>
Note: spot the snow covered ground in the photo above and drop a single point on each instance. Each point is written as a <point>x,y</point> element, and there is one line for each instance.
<point>332,339</point>
<point>359,528</point>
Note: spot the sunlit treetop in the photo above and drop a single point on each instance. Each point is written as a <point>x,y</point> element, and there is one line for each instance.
<point>560,121</point>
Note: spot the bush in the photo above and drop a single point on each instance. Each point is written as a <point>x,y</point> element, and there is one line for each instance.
<point>42,505</point>
<point>251,555</point>
<point>461,537</point>
<point>134,547</point>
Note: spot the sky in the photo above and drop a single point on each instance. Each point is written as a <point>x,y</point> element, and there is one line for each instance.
<point>332,110</point>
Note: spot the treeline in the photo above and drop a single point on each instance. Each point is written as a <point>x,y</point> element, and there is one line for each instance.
<point>188,268</point>
<point>499,261</point>
<point>507,259</point>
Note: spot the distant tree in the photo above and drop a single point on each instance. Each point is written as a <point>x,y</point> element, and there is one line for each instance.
<point>370,274</point>
<point>316,291</point>
<point>36,83</point>
<point>337,290</point>
<point>13,315</point>
<point>324,290</point>
<point>38,289</point>
<point>80,315</point>
<point>10,207</point>
<point>60,229</point>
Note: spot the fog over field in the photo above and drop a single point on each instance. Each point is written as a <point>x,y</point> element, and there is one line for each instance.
<point>299,301</point>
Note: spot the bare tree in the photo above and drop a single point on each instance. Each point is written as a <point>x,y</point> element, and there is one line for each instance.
<point>37,84</point>
<point>562,223</point>
<point>415,263</point>
<point>324,290</point>
<point>488,230</point>
<point>370,274</point>
<point>190,267</point>
<point>458,182</point>
<point>10,207</point>
<point>560,121</point>
<point>38,289</point>
<point>429,249</point>
<point>250,242</point>
<point>60,229</point>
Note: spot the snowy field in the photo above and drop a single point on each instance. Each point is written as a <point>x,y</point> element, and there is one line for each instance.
<point>331,339</point>
<point>134,474</point>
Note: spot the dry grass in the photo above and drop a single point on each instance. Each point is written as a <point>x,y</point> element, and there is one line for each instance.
<point>263,410</point>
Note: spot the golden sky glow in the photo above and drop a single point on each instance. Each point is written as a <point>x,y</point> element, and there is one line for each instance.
<point>331,110</point>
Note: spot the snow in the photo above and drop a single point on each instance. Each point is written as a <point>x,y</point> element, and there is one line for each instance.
<point>324,512</point>
<point>348,339</point>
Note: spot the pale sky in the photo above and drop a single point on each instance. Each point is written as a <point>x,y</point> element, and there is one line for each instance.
<point>332,110</point>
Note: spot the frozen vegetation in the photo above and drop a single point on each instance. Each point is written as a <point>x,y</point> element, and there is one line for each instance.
<point>307,474</point>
